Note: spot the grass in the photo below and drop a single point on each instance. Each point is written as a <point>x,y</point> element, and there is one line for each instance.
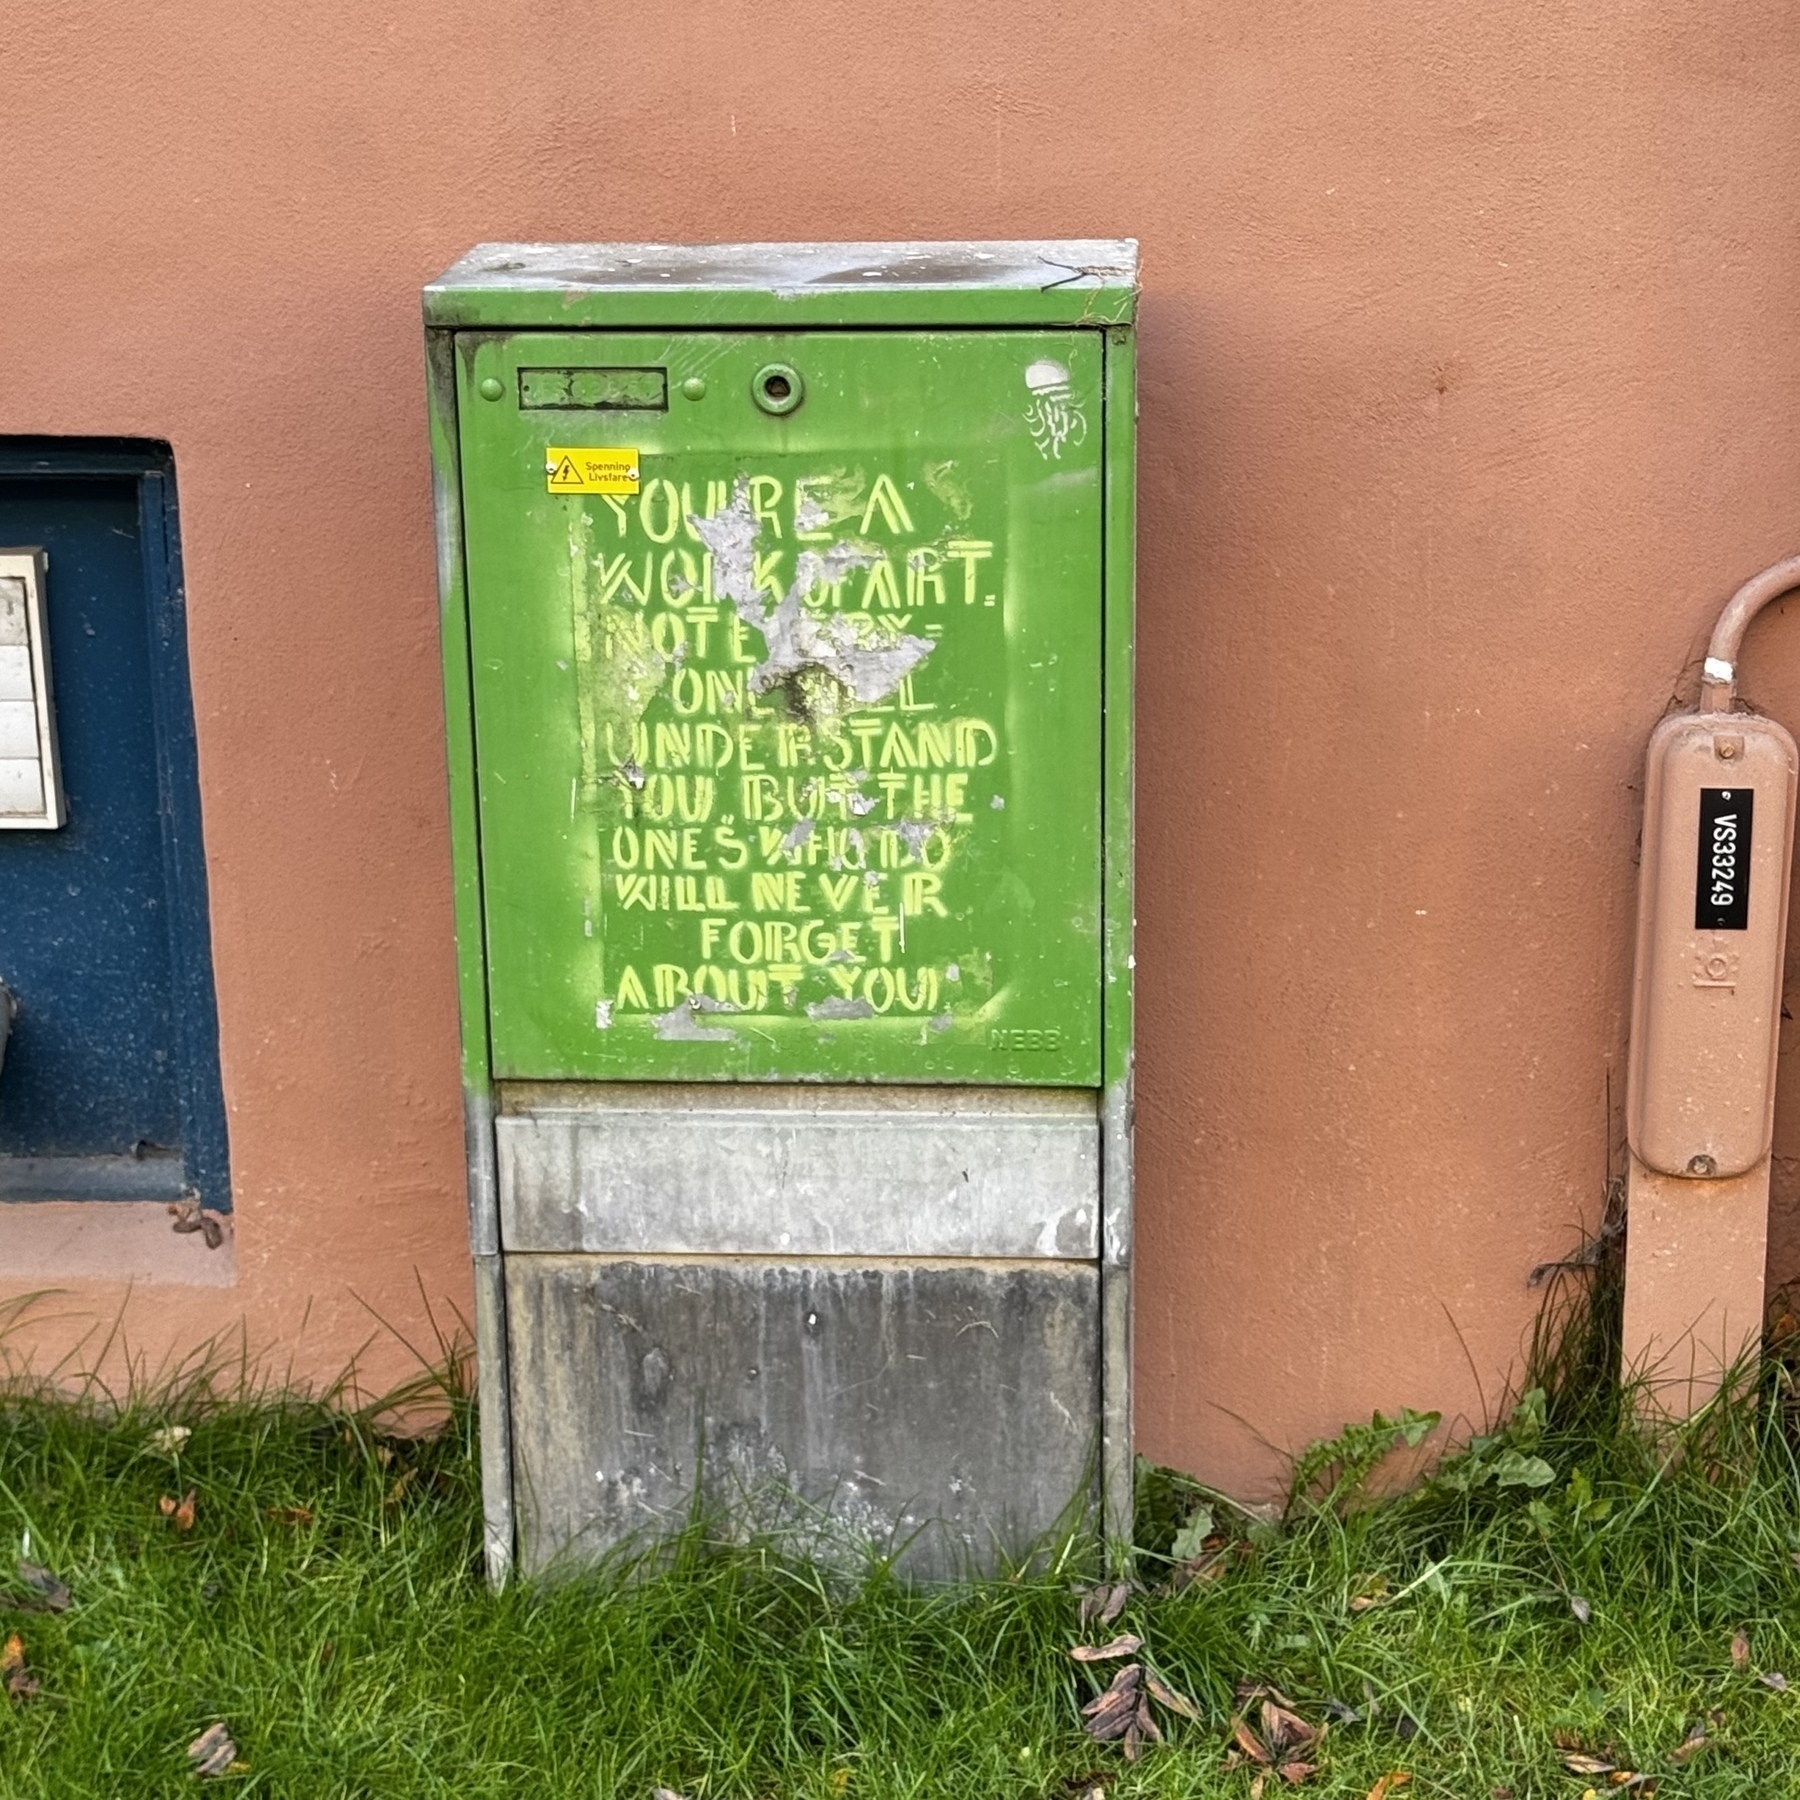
<point>326,1606</point>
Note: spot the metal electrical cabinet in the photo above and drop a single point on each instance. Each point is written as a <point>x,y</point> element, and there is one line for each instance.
<point>787,603</point>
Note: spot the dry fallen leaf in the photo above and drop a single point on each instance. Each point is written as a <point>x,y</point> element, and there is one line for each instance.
<point>1257,1782</point>
<point>19,1685</point>
<point>1248,1742</point>
<point>397,1492</point>
<point>1695,1741</point>
<point>1285,1730</point>
<point>1584,1762</point>
<point>1740,1649</point>
<point>1371,1590</point>
<point>1103,1603</point>
<point>1774,1679</point>
<point>213,1752</point>
<point>180,1512</point>
<point>48,1593</point>
<point>1090,1784</point>
<point>1212,1562</point>
<point>1580,1608</point>
<point>168,1440</point>
<point>666,1794</point>
<point>1123,1645</point>
<point>1142,1725</point>
<point>291,1515</point>
<point>1113,1713</point>
<point>1176,1702</point>
<point>1394,1778</point>
<point>1293,1773</point>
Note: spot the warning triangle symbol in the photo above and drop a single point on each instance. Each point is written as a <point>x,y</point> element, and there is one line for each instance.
<point>566,474</point>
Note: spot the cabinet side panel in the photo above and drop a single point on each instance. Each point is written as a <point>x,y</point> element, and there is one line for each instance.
<point>478,1108</point>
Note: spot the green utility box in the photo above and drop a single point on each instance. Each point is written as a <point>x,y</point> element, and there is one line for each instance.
<point>787,632</point>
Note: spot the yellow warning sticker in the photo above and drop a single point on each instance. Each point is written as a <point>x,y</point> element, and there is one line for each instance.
<point>591,471</point>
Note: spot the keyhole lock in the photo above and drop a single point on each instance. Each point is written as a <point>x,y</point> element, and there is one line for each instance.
<point>777,388</point>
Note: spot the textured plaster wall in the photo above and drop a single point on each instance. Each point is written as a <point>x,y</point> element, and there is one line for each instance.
<point>1471,387</point>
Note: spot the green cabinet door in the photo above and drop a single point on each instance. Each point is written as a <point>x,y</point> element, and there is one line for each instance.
<point>786,656</point>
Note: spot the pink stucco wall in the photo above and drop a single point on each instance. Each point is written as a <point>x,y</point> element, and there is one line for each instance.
<point>1471,385</point>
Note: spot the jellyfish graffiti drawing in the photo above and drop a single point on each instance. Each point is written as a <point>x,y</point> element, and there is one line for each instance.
<point>1052,418</point>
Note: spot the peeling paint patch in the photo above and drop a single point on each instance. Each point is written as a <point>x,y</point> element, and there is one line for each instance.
<point>871,667</point>
<point>603,1015</point>
<point>943,1021</point>
<point>837,1007</point>
<point>798,833</point>
<point>680,1026</point>
<point>915,833</point>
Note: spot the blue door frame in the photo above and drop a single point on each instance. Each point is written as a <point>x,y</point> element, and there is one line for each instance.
<point>92,1119</point>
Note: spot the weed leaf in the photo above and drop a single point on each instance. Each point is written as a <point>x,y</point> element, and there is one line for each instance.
<point>1190,1540</point>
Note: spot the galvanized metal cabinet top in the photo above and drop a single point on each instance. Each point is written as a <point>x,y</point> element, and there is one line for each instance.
<point>797,593</point>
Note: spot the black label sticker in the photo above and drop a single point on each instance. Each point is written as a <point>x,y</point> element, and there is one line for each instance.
<point>1722,885</point>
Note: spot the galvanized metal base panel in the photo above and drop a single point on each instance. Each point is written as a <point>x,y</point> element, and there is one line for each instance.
<point>775,1171</point>
<point>947,1407</point>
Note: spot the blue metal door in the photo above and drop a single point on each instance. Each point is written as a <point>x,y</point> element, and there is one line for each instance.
<point>110,1086</point>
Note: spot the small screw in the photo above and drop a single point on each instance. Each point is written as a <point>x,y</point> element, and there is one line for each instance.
<point>694,387</point>
<point>490,387</point>
<point>1702,1165</point>
<point>1728,749</point>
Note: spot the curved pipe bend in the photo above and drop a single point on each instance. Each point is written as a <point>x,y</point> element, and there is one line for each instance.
<point>1718,682</point>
